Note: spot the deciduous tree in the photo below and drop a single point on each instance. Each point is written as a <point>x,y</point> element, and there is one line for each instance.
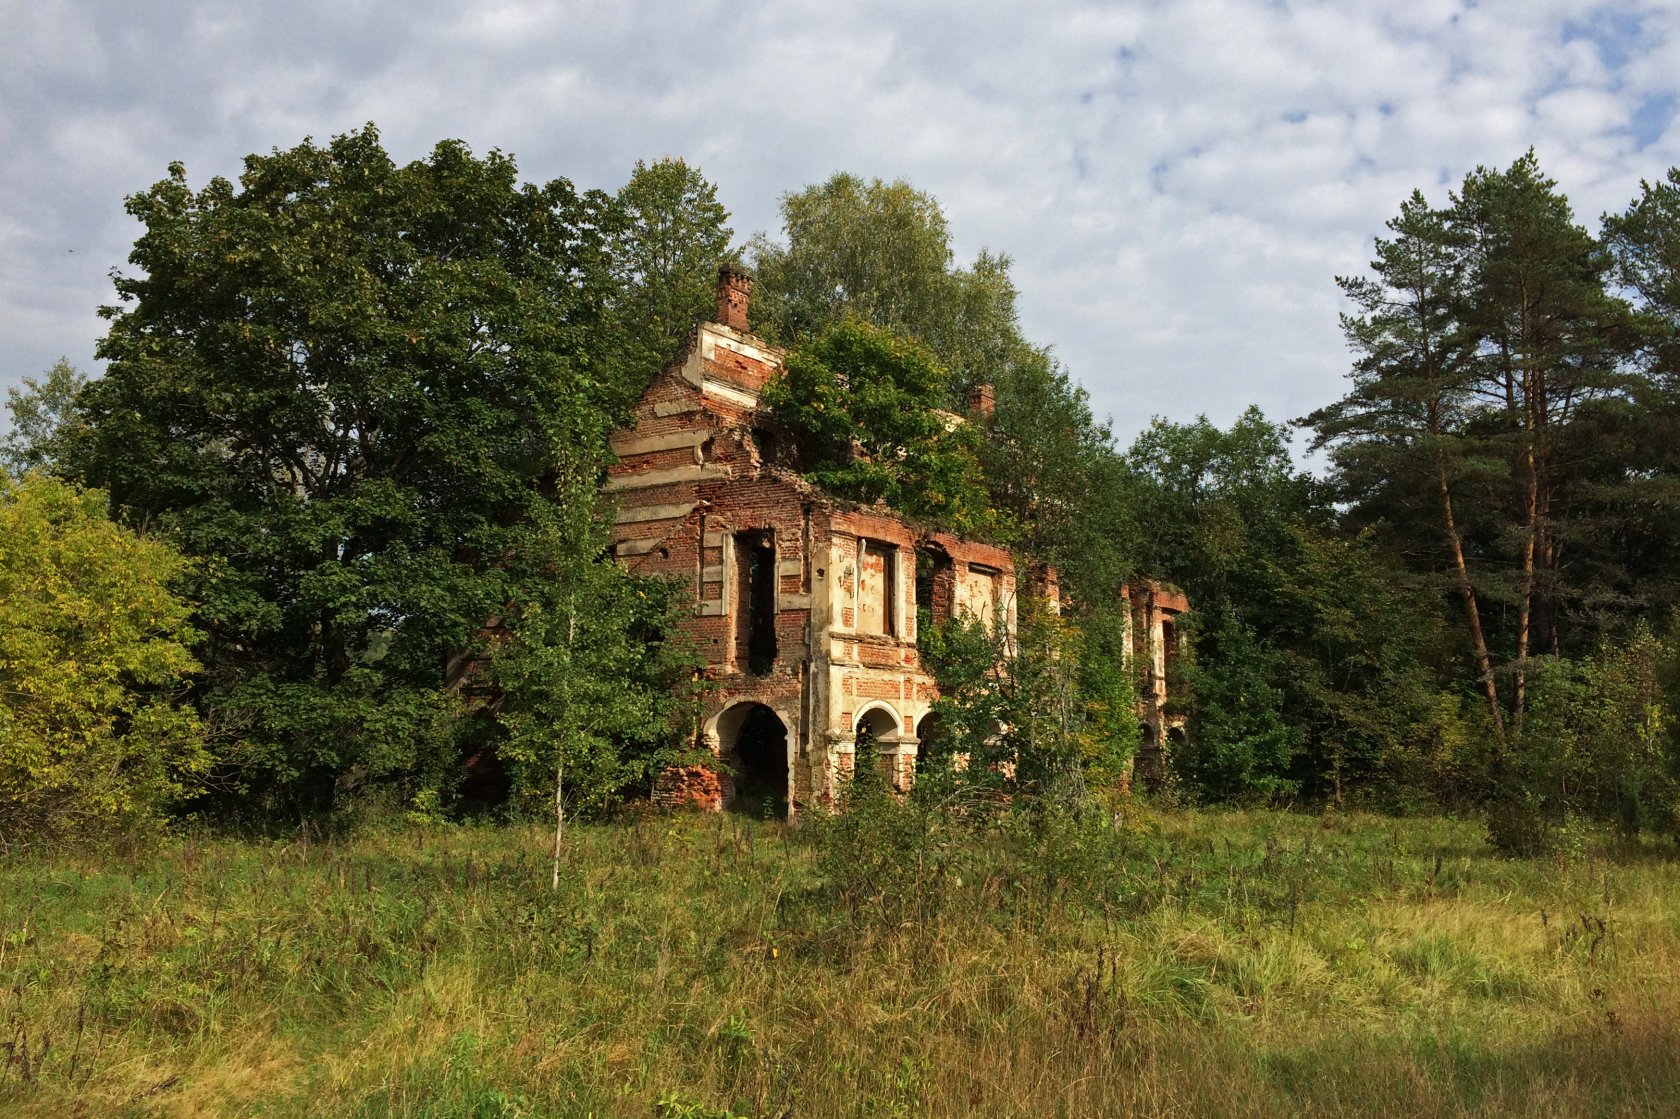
<point>665,256</point>
<point>881,253</point>
<point>44,419</point>
<point>862,406</point>
<point>94,654</point>
<point>341,383</point>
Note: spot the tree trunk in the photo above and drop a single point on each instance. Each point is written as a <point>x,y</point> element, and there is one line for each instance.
<point>1525,590</point>
<point>1533,401</point>
<point>1455,543</point>
<point>1478,640</point>
<point>560,751</point>
<point>559,821</point>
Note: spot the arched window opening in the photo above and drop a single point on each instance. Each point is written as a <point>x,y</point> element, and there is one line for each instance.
<point>933,749</point>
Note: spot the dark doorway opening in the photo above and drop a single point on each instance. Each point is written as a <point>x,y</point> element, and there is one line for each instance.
<point>1148,766</point>
<point>757,756</point>
<point>485,781</point>
<point>755,557</point>
<point>873,728</point>
<point>933,750</point>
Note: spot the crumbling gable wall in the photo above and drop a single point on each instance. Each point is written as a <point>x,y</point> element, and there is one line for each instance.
<point>806,603</point>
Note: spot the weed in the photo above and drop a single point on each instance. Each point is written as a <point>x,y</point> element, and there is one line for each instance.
<point>913,958</point>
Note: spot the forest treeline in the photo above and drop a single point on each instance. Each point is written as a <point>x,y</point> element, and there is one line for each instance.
<point>326,533</point>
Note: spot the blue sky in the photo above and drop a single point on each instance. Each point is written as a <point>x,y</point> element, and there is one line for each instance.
<point>1178,183</point>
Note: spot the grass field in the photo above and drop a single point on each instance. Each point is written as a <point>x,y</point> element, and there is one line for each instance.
<point>895,963</point>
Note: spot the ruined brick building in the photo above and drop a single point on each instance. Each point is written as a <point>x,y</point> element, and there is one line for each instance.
<point>807,602</point>
<point>1152,617</point>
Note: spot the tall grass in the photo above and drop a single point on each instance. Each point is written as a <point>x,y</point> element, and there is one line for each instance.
<point>903,960</point>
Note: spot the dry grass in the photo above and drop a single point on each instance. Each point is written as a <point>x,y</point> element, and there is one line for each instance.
<point>1194,964</point>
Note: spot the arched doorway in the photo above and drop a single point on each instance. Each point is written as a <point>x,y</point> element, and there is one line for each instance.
<point>753,742</point>
<point>876,729</point>
<point>932,748</point>
<point>1147,768</point>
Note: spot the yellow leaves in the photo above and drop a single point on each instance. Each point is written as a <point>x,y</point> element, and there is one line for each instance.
<point>88,626</point>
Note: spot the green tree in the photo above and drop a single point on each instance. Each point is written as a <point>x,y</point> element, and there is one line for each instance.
<point>881,253</point>
<point>861,406</point>
<point>342,384</point>
<point>1054,471</point>
<point>1314,658</point>
<point>595,685</point>
<point>1598,746</point>
<point>1490,414</point>
<point>1399,439</point>
<point>665,257</point>
<point>1037,713</point>
<point>44,419</point>
<point>1642,503</point>
<point>1549,343</point>
<point>94,653</point>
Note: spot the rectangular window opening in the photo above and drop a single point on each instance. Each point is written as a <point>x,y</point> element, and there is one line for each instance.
<point>877,588</point>
<point>755,615</point>
<point>889,591</point>
<point>935,584</point>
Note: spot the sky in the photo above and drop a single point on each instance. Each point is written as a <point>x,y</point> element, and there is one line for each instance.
<point>1177,183</point>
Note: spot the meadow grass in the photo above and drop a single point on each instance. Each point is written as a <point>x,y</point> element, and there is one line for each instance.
<point>897,962</point>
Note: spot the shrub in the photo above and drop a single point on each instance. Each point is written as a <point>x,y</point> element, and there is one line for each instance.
<point>93,650</point>
<point>1596,747</point>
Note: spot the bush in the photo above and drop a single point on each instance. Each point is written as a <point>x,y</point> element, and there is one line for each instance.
<point>93,650</point>
<point>1596,747</point>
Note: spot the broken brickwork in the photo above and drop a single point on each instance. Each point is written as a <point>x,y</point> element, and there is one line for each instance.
<point>806,603</point>
<point>1153,612</point>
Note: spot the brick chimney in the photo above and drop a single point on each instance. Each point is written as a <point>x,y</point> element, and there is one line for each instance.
<point>734,290</point>
<point>981,402</point>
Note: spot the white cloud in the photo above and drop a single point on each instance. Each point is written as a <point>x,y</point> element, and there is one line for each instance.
<point>1178,182</point>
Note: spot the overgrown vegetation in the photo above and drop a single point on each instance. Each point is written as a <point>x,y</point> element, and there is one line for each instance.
<point>859,405</point>
<point>917,959</point>
<point>95,650</point>
<point>370,404</point>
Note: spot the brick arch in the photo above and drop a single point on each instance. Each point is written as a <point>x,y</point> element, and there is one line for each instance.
<point>754,743</point>
<point>720,730</point>
<point>882,713</point>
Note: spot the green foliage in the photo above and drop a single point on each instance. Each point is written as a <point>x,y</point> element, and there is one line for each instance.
<point>665,257</point>
<point>94,651</point>
<point>1641,507</point>
<point>860,405</point>
<point>1054,471</point>
<point>1598,746</point>
<point>1043,714</point>
<point>1244,745</point>
<point>1106,726</point>
<point>597,684</point>
<point>1485,442</point>
<point>44,419</point>
<point>1291,686</point>
<point>1509,439</point>
<point>970,663</point>
<point>881,253</point>
<point>342,383</point>
<point>1048,480</point>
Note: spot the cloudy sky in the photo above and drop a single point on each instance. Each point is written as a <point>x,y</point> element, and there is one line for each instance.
<point>1177,182</point>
